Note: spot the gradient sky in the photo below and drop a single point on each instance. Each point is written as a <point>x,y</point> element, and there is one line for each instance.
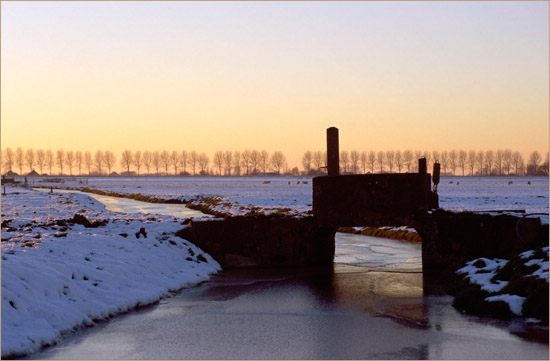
<point>210,76</point>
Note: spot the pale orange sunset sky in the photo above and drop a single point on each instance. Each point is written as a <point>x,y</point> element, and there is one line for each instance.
<point>210,76</point>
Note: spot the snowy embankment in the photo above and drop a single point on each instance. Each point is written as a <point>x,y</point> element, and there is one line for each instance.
<point>58,275</point>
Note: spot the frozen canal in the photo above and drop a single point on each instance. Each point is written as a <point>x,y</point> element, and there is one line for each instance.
<point>371,305</point>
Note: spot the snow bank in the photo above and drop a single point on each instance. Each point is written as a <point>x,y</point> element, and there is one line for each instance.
<point>484,272</point>
<point>57,276</point>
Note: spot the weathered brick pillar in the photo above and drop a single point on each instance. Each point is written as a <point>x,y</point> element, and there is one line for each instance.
<point>333,152</point>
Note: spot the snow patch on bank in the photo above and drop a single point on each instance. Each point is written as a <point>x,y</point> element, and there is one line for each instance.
<point>57,277</point>
<point>514,302</point>
<point>481,272</point>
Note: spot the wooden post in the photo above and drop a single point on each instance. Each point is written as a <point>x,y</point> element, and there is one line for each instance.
<point>435,175</point>
<point>333,152</point>
<point>422,167</point>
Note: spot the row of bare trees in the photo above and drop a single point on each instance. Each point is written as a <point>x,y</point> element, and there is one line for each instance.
<point>480,163</point>
<point>253,162</point>
<point>248,162</point>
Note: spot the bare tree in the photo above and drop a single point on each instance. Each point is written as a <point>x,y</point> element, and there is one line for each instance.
<point>78,157</point>
<point>354,157</point>
<point>99,160</point>
<point>390,159</point>
<point>307,158</point>
<point>88,162</point>
<point>436,156</point>
<point>428,155</point>
<point>380,160</point>
<point>480,159</point>
<point>472,161</point>
<point>110,159</point>
<point>184,158</point>
<point>407,159</point>
<point>489,158</point>
<point>254,160</point>
<point>453,159</point>
<point>237,163</point>
<point>498,161</point>
<point>19,159</point>
<point>126,160</point>
<point>517,159</point>
<point>371,160</point>
<point>462,158</point>
<point>522,168</point>
<point>49,160</point>
<point>40,159</point>
<point>545,166</point>
<point>175,161</point>
<point>147,160</point>
<point>318,160</point>
<point>534,160</point>
<point>507,160</point>
<point>218,161</point>
<point>263,160</point>
<point>69,161</point>
<point>363,161</point>
<point>444,160</point>
<point>29,158</point>
<point>165,160</point>
<point>8,158</point>
<point>60,160</point>
<point>193,159</point>
<point>245,160</point>
<point>278,161</point>
<point>399,160</point>
<point>137,161</point>
<point>155,161</point>
<point>203,163</point>
<point>344,160</point>
<point>227,162</point>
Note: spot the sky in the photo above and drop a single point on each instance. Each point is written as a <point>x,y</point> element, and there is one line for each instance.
<point>210,76</point>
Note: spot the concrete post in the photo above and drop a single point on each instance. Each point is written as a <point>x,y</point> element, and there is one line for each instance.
<point>333,152</point>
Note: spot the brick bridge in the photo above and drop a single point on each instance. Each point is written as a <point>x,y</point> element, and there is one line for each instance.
<point>448,239</point>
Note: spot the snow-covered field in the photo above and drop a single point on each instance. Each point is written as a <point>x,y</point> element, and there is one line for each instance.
<point>271,194</point>
<point>58,275</point>
<point>495,193</point>
<point>237,195</point>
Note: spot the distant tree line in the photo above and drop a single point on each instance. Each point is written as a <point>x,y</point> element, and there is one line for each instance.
<point>454,162</point>
<point>254,162</point>
<point>180,163</point>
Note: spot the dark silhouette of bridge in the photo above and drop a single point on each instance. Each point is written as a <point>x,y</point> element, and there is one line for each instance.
<point>448,239</point>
